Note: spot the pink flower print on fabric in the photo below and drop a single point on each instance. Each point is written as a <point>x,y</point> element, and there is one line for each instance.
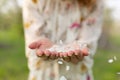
<point>68,6</point>
<point>75,25</point>
<point>91,21</point>
<point>88,77</point>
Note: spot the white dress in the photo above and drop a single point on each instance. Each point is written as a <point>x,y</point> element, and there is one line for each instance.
<point>61,20</point>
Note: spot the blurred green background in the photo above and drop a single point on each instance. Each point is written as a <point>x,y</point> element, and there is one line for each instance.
<point>13,63</point>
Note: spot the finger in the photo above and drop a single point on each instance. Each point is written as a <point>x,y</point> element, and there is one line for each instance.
<point>70,53</point>
<point>52,56</point>
<point>64,54</point>
<point>74,59</point>
<point>35,45</point>
<point>80,56</point>
<point>60,54</point>
<point>39,53</point>
<point>66,58</point>
<point>47,52</point>
<point>44,57</point>
<point>85,51</point>
<point>77,52</point>
<point>56,55</point>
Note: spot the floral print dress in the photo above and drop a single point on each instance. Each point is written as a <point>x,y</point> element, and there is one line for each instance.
<point>61,20</point>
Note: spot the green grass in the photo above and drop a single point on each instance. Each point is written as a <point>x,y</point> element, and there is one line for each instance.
<point>13,64</point>
<point>115,39</point>
<point>104,70</point>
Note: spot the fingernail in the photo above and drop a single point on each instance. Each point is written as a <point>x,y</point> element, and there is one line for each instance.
<point>85,51</point>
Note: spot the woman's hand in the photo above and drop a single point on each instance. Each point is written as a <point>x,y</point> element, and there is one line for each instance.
<point>42,47</point>
<point>74,54</point>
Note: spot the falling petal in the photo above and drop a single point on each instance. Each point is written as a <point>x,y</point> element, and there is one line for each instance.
<point>60,62</point>
<point>75,25</point>
<point>61,42</point>
<point>118,73</point>
<point>63,78</point>
<point>67,68</point>
<point>110,61</point>
<point>115,58</point>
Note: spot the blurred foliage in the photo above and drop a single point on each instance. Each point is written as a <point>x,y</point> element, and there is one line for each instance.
<point>11,23</point>
<point>13,63</point>
<point>104,41</point>
<point>109,37</point>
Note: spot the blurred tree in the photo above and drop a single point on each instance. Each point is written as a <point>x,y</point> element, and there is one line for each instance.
<point>10,17</point>
<point>104,42</point>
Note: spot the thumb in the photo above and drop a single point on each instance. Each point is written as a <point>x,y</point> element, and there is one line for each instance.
<point>34,45</point>
<point>85,51</point>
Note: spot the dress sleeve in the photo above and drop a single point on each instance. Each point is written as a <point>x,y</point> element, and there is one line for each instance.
<point>33,20</point>
<point>34,24</point>
<point>91,29</point>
